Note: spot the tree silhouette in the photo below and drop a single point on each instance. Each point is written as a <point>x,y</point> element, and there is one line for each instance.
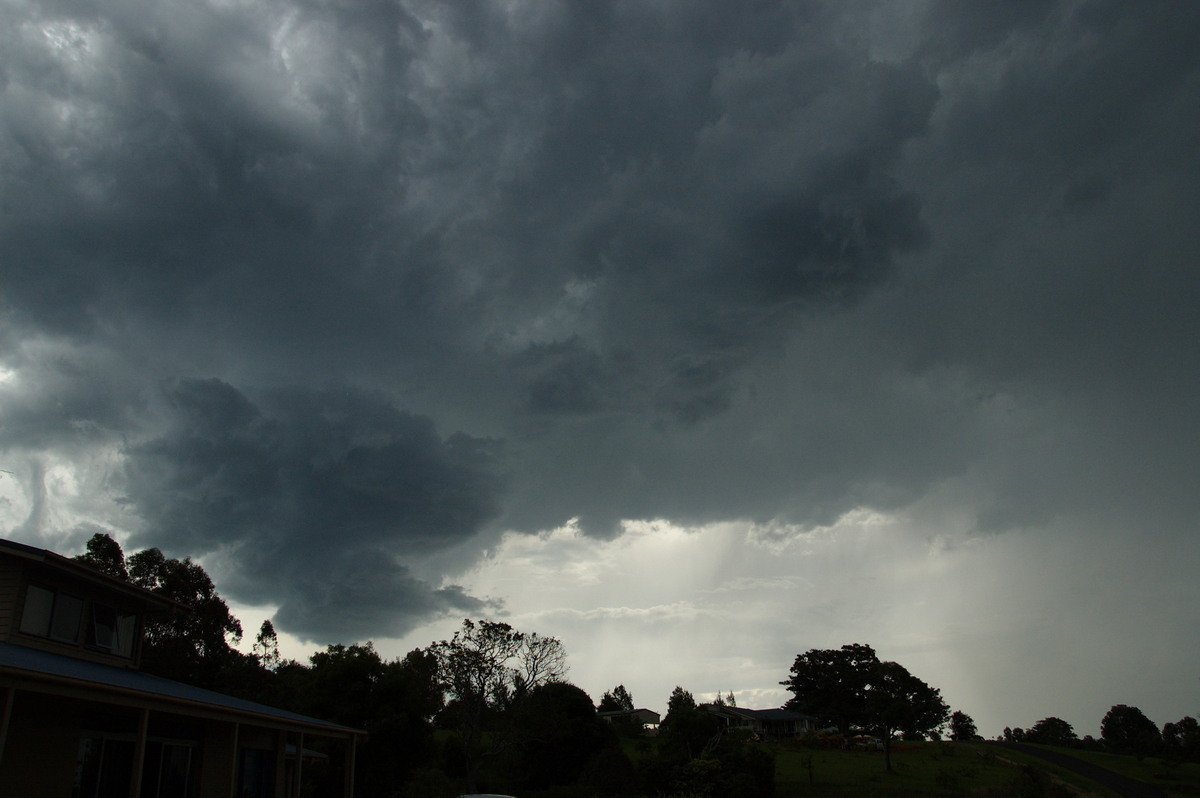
<point>616,700</point>
<point>191,645</point>
<point>105,555</point>
<point>962,726</point>
<point>1125,729</point>
<point>482,669</point>
<point>899,701</point>
<point>1050,731</point>
<point>831,684</point>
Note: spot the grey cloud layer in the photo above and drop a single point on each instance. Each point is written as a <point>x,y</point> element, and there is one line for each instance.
<point>353,284</point>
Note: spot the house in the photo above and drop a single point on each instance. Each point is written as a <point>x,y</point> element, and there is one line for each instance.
<point>766,724</point>
<point>78,719</point>
<point>643,719</point>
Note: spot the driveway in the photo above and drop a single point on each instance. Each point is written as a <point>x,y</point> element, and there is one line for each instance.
<point>1121,785</point>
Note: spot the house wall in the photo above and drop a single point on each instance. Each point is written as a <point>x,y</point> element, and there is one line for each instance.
<point>10,587</point>
<point>217,761</point>
<point>42,747</point>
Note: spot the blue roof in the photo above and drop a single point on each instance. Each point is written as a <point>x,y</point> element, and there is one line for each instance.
<point>46,665</point>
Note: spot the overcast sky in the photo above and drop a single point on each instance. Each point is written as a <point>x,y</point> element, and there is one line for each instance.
<point>696,334</point>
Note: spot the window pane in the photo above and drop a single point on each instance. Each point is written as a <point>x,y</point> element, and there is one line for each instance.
<point>39,602</point>
<point>126,629</point>
<point>68,611</point>
<point>176,760</point>
<point>104,626</point>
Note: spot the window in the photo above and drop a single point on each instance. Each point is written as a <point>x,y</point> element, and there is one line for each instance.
<point>104,767</point>
<point>39,606</point>
<point>104,626</point>
<point>257,776</point>
<point>61,616</point>
<point>111,630</point>
<point>166,772</point>
<point>51,614</point>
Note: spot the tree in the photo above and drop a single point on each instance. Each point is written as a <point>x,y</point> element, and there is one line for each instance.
<point>1050,731</point>
<point>1181,740</point>
<point>679,701</point>
<point>556,734</point>
<point>899,701</point>
<point>831,684</point>
<point>686,730</point>
<point>616,700</point>
<point>1125,730</point>
<point>962,727</point>
<point>105,555</point>
<point>482,670</point>
<point>619,700</point>
<point>192,646</point>
<point>266,645</point>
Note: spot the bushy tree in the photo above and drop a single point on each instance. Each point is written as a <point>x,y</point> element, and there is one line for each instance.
<point>850,688</point>
<point>194,644</point>
<point>698,757</point>
<point>393,701</point>
<point>1051,731</point>
<point>686,730</point>
<point>556,734</point>
<point>616,700</point>
<point>962,727</point>
<point>619,700</point>
<point>899,701</point>
<point>1126,729</point>
<point>831,684</point>
<point>483,669</point>
<point>1181,740</point>
<point>104,554</point>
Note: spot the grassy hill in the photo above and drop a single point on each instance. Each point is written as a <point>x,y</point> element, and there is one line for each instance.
<point>918,769</point>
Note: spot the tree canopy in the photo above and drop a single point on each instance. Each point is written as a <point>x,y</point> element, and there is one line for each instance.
<point>962,727</point>
<point>482,670</point>
<point>1125,729</point>
<point>193,646</point>
<point>852,689</point>
<point>1051,731</point>
<point>616,700</point>
<point>831,684</point>
<point>1181,740</point>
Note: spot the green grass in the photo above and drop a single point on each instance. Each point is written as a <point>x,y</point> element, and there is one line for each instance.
<point>921,769</point>
<point>944,769</point>
<point>1178,780</point>
<point>1088,786</point>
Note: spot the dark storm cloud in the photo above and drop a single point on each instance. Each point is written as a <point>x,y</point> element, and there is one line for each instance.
<point>695,261</point>
<point>317,495</point>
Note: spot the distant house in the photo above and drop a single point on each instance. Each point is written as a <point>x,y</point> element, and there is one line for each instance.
<point>647,719</point>
<point>769,724</point>
<point>77,717</point>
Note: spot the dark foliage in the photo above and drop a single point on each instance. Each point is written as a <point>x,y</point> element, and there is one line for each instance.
<point>1050,731</point>
<point>1181,740</point>
<point>616,700</point>
<point>1126,730</point>
<point>556,734</point>
<point>850,688</point>
<point>831,684</point>
<point>962,727</point>
<point>105,555</point>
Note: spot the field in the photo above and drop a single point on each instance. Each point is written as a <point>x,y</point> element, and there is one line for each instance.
<point>1178,780</point>
<point>920,769</point>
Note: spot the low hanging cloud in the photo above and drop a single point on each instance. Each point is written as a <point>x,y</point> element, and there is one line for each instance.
<point>314,498</point>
